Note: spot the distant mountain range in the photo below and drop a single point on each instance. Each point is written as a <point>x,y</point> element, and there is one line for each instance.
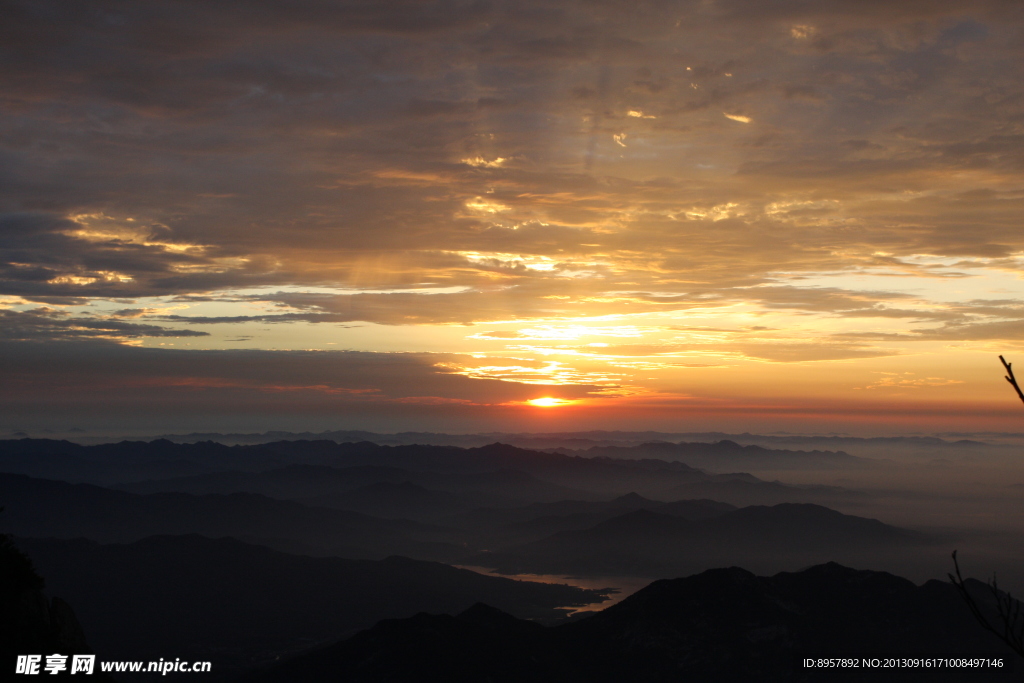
<point>353,488</point>
<point>532,522</point>
<point>497,506</point>
<point>723,625</point>
<point>589,537</point>
<point>885,447</point>
<point>542,440</point>
<point>44,508</point>
<point>245,553</point>
<point>726,456</point>
<point>653,542</point>
<point>505,474</point>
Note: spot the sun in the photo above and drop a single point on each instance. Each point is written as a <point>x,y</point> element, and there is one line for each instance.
<point>549,402</point>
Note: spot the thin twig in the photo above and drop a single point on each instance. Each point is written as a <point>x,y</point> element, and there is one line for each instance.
<point>1012,632</point>
<point>1011,379</point>
<point>958,581</point>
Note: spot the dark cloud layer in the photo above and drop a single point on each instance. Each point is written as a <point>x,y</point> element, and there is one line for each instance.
<point>454,162</point>
<point>47,324</point>
<point>289,141</point>
<point>56,373</point>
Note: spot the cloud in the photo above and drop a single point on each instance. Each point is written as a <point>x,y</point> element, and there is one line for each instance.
<point>908,380</point>
<point>46,324</point>
<point>334,162</point>
<point>738,117</point>
<point>1007,330</point>
<point>50,372</point>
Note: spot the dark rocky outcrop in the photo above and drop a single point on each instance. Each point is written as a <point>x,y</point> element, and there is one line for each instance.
<point>30,622</point>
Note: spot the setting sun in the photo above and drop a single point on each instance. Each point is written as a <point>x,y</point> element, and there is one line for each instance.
<point>548,402</point>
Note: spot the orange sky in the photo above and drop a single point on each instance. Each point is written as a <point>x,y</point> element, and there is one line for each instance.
<point>675,215</point>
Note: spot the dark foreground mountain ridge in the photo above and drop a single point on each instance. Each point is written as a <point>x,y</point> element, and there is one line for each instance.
<point>722,625</point>
<point>31,622</point>
<point>235,603</point>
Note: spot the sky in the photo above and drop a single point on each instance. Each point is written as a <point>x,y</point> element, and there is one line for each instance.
<point>462,216</point>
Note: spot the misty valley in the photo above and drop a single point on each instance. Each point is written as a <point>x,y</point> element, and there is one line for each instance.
<point>596,556</point>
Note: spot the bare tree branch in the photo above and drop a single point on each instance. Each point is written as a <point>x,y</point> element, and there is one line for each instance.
<point>1011,379</point>
<point>1010,628</point>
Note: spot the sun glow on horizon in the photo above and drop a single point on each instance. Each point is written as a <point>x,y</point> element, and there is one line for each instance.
<point>549,402</point>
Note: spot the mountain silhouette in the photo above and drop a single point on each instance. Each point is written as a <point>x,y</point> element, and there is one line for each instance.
<point>235,603</point>
<point>41,508</point>
<point>516,474</point>
<point>645,542</point>
<point>402,500</point>
<point>30,621</point>
<point>293,482</point>
<point>728,456</point>
<point>723,625</point>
